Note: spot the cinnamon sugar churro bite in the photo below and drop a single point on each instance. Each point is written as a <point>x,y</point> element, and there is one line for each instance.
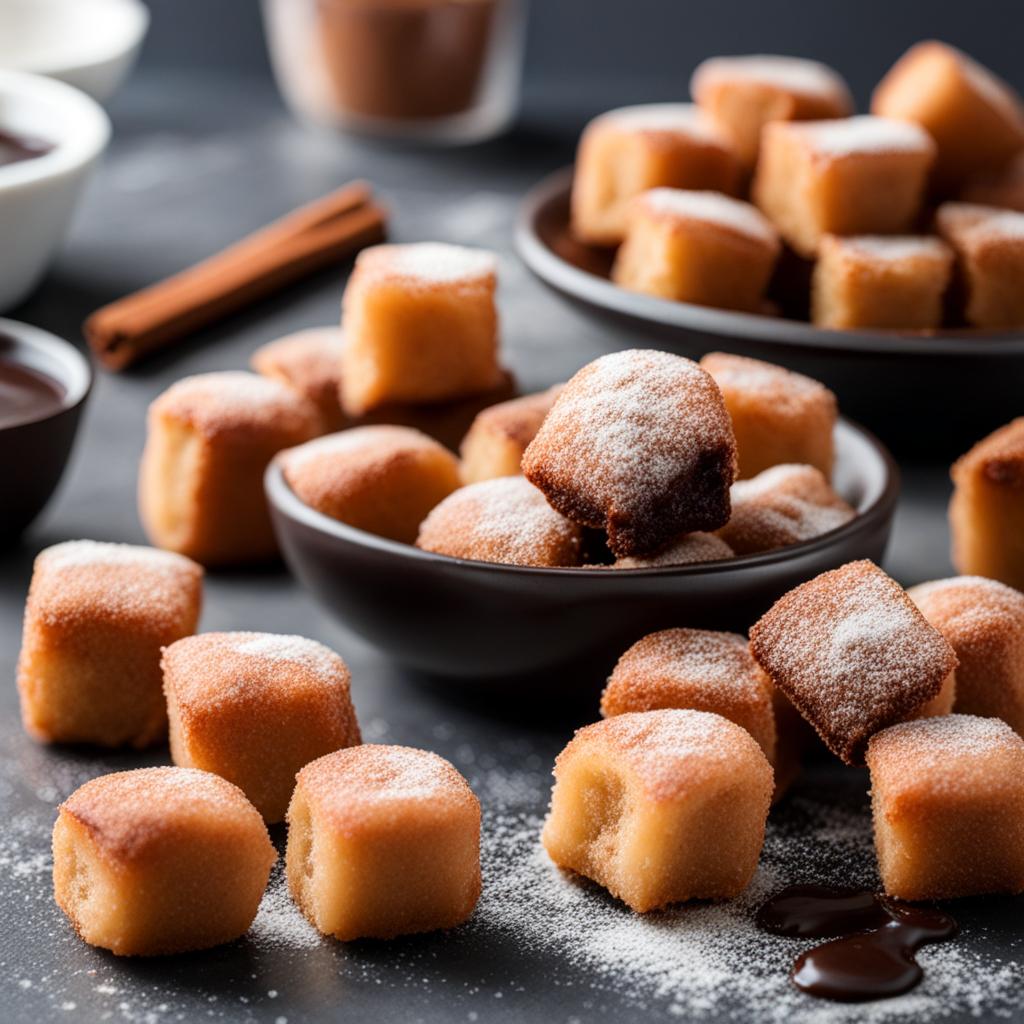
<point>159,860</point>
<point>96,618</point>
<point>689,549</point>
<point>638,443</point>
<point>381,479</point>
<point>255,708</point>
<point>210,438</point>
<point>383,841</point>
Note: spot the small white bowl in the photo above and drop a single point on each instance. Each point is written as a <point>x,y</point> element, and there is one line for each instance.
<point>90,44</point>
<point>38,196</point>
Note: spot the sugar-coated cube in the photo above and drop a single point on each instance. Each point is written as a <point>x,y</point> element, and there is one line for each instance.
<point>883,281</point>
<point>502,520</point>
<point>638,443</point>
<point>660,807</point>
<point>628,151</point>
<point>987,507</point>
<point>701,247</point>
<point>159,860</point>
<point>420,326</point>
<point>689,549</point>
<point>853,654</point>
<point>742,94</point>
<point>383,841</point>
<point>1004,187</point>
<point>975,118</point>
<point>96,618</point>
<point>778,416</point>
<point>948,801</point>
<point>380,479</point>
<point>989,246</point>
<point>209,440</point>
<point>857,176</point>
<point>255,708</point>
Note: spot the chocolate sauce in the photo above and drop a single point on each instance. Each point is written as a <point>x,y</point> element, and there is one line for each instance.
<point>874,939</point>
<point>15,148</point>
<point>26,394</point>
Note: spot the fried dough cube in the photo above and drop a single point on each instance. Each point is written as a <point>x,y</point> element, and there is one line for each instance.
<point>159,860</point>
<point>383,841</point>
<point>660,807</point>
<point>96,618</point>
<point>1004,188</point>
<point>689,549</point>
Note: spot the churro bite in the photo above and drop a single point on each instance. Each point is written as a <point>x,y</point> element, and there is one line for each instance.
<point>209,440</point>
<point>989,246</point>
<point>660,807</point>
<point>159,860</point>
<point>689,549</point>
<point>96,618</point>
<point>742,94</point>
<point>502,520</point>
<point>975,118</point>
<point>778,416</point>
<point>987,507</point>
<point>701,247</point>
<point>500,434</point>
<point>784,505</point>
<point>948,801</point>
<point>383,841</point>
<point>881,281</point>
<point>254,708</point>
<point>1004,187</point>
<point>856,176</point>
<point>628,151</point>
<point>380,479</point>
<point>853,654</point>
<point>639,444</point>
<point>420,326</point>
<point>696,669</point>
<point>983,620</point>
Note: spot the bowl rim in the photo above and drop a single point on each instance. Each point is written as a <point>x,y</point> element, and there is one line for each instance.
<point>79,146</point>
<point>686,316</point>
<point>283,499</point>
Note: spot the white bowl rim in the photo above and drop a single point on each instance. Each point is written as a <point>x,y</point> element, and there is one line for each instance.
<point>78,148</point>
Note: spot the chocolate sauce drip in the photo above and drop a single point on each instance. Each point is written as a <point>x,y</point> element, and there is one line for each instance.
<point>15,148</point>
<point>874,939</point>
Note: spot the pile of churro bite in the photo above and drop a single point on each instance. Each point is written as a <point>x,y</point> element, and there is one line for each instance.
<point>769,194</point>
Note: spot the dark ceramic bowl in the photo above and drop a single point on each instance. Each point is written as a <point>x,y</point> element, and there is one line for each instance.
<point>459,618</point>
<point>924,393</point>
<point>34,452</point>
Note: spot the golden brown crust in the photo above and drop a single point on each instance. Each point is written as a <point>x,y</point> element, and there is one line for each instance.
<point>518,420</point>
<point>998,458</point>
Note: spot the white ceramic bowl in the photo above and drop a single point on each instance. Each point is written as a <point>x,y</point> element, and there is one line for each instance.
<point>90,44</point>
<point>38,196</point>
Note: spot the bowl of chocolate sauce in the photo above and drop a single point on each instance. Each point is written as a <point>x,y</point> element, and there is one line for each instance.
<point>44,383</point>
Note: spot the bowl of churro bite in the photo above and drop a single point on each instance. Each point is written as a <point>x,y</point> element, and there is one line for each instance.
<point>766,216</point>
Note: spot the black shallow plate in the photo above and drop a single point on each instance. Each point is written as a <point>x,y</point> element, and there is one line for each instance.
<point>912,388</point>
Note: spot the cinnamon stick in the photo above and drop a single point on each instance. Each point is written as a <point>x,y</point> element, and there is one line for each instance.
<point>316,235</point>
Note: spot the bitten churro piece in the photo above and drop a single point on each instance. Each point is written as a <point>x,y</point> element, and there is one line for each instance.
<point>96,618</point>
<point>983,620</point>
<point>857,176</point>
<point>989,246</point>
<point>1004,187</point>
<point>987,508</point>
<point>628,151</point>
<point>383,841</point>
<point>778,416</point>
<point>420,326</point>
<point>853,654</point>
<point>503,520</point>
<point>783,505</point>
<point>255,708</point>
<point>696,669</point>
<point>380,479</point>
<point>948,801</point>
<point>689,549</point>
<point>500,434</point>
<point>975,118</point>
<point>159,860</point>
<point>893,281</point>
<point>209,440</point>
<point>638,443</point>
<point>701,247</point>
<point>660,807</point>
<point>742,94</point>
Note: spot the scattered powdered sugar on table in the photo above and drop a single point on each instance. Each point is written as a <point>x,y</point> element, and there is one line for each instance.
<point>713,208</point>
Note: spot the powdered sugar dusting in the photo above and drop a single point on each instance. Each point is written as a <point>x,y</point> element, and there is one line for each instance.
<point>712,208</point>
<point>791,74</point>
<point>690,549</point>
<point>434,262</point>
<point>864,134</point>
<point>679,118</point>
<point>784,389</point>
<point>282,647</point>
<point>893,248</point>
